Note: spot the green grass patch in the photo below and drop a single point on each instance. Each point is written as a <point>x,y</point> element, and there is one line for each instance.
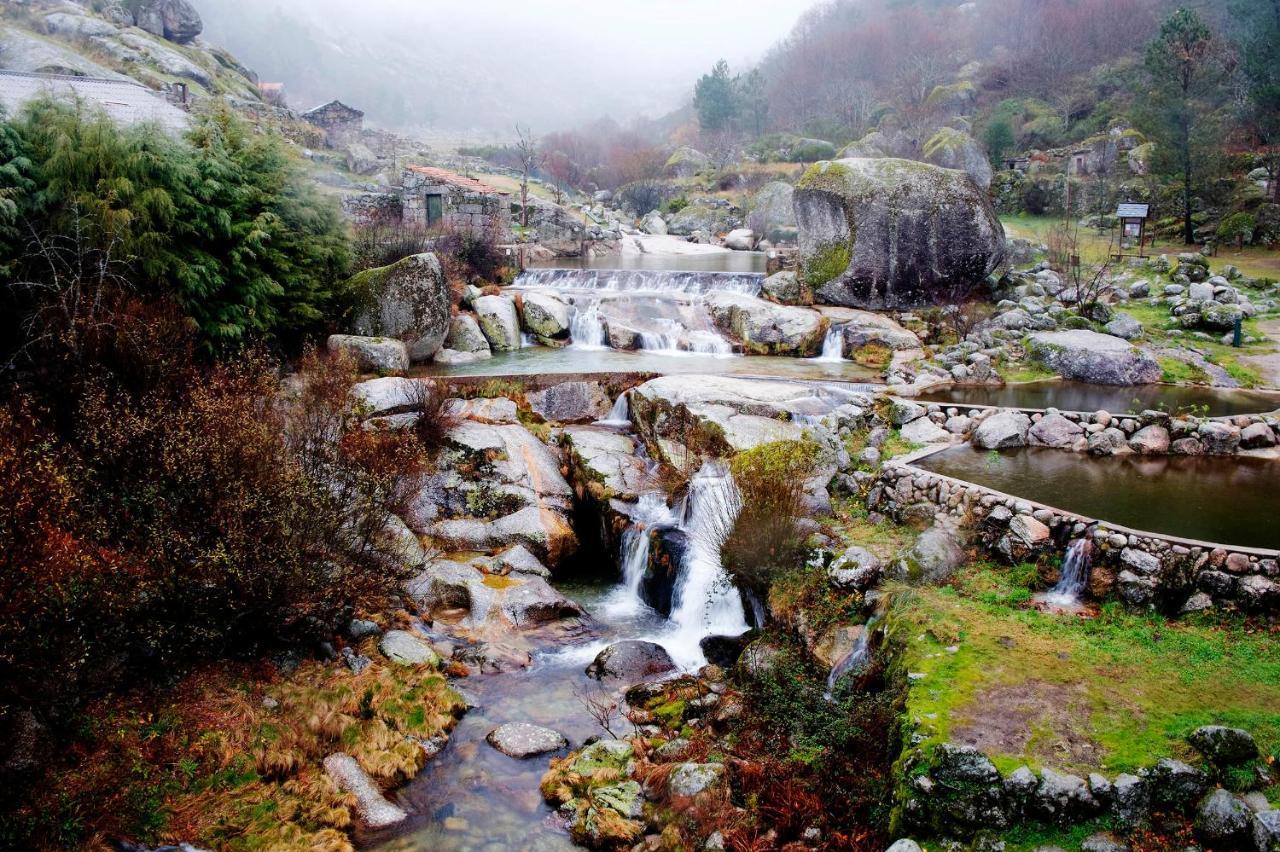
<point>1111,693</point>
<point>1024,372</point>
<point>1180,372</point>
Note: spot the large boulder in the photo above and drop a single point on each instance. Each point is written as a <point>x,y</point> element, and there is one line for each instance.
<point>1224,746</point>
<point>786,288</point>
<point>934,557</point>
<point>955,149</point>
<point>606,461</point>
<point>1002,430</point>
<point>465,335</point>
<point>1054,430</point>
<point>685,162</point>
<point>890,233</point>
<point>499,322</point>
<point>772,210</point>
<point>176,20</point>
<point>545,315</point>
<point>1100,359</point>
<point>864,328</point>
<point>740,239</point>
<point>765,328</point>
<point>408,300</point>
<point>570,402</point>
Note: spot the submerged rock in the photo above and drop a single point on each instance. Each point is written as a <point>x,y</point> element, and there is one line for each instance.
<point>521,740</point>
<point>889,233</point>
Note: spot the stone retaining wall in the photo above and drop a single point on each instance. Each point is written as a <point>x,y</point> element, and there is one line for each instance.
<point>1142,568</point>
<point>1100,433</point>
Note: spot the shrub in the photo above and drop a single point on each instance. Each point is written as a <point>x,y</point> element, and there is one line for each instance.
<point>644,195</point>
<point>1238,228</point>
<point>222,222</point>
<point>176,513</point>
<point>766,537</point>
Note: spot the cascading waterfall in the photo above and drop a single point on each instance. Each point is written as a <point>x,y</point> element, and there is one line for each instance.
<point>586,329</point>
<point>855,659</point>
<point>833,345</point>
<point>620,414</point>
<point>651,510</point>
<point>1076,565</point>
<point>705,602</point>
<point>648,294</point>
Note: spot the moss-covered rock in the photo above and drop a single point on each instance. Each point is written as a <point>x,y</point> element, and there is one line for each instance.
<point>955,149</point>
<point>408,300</point>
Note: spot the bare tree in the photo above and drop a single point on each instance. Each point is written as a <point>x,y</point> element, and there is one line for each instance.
<point>600,705</point>
<point>531,159</point>
<point>1087,283</point>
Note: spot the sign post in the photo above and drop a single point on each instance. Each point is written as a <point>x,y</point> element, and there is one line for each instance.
<point>1133,225</point>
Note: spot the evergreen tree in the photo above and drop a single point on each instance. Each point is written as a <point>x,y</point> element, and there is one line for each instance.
<point>1179,63</point>
<point>714,98</point>
<point>1258,26</point>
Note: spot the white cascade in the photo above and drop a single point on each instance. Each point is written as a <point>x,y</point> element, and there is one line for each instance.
<point>586,329</point>
<point>854,660</point>
<point>1075,574</point>
<point>620,414</point>
<point>705,602</point>
<point>642,281</point>
<point>833,345</point>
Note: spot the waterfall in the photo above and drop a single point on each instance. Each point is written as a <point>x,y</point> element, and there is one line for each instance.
<point>642,281</point>
<point>1075,574</point>
<point>855,659</point>
<point>620,414</point>
<point>651,510</point>
<point>586,330</point>
<point>833,345</point>
<point>705,602</point>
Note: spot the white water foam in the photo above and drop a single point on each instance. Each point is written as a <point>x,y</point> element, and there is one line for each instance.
<point>833,345</point>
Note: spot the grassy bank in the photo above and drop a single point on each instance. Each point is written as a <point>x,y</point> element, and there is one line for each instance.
<point>1110,693</point>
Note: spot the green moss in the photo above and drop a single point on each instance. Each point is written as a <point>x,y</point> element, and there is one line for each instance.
<point>826,264</point>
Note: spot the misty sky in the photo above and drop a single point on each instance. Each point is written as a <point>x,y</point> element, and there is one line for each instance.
<point>564,61</point>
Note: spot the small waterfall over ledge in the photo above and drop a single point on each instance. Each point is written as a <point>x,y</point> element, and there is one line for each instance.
<point>833,345</point>
<point>1076,565</point>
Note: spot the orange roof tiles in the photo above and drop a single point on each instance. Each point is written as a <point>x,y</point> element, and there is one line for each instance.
<point>449,177</point>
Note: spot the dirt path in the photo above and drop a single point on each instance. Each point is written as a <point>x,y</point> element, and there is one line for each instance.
<point>1267,365</point>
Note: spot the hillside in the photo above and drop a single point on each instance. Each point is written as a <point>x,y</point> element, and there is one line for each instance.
<point>159,46</point>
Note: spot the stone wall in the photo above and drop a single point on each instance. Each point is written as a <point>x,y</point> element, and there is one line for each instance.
<point>1141,568</point>
<point>371,208</point>
<point>463,210</point>
<point>1101,433</point>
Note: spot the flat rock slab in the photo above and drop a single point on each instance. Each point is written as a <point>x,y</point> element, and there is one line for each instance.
<point>521,740</point>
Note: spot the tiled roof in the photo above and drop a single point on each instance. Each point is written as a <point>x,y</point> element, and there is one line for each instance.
<point>445,176</point>
<point>124,102</point>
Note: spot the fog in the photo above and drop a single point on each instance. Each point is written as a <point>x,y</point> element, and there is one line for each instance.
<point>484,64</point>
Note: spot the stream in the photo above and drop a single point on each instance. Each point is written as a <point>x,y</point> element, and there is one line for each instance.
<point>473,797</point>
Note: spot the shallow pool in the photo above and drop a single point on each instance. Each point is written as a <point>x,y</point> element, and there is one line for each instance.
<point>1078,396</point>
<point>1222,500</point>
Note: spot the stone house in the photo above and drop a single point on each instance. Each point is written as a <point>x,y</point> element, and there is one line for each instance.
<point>341,124</point>
<point>438,198</point>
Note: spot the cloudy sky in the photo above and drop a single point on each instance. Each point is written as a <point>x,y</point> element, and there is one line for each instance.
<point>489,62</point>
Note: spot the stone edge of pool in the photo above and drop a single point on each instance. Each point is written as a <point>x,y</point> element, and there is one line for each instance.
<point>984,407</point>
<point>1146,561</point>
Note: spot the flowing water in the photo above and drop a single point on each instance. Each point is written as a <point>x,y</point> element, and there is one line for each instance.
<point>728,261</point>
<point>1076,564</point>
<point>472,797</point>
<point>854,660</point>
<point>833,345</point>
<point>1077,396</point>
<point>1225,500</point>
